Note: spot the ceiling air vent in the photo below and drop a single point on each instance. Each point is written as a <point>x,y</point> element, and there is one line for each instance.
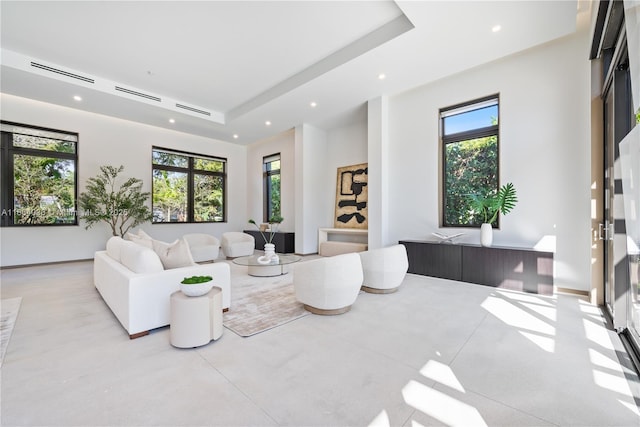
<point>62,72</point>
<point>195,110</point>
<point>136,93</point>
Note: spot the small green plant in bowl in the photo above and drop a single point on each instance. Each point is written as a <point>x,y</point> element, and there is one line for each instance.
<point>196,279</point>
<point>196,286</point>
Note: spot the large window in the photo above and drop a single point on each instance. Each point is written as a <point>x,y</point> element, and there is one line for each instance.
<point>38,176</point>
<point>188,187</point>
<point>271,174</point>
<point>469,134</point>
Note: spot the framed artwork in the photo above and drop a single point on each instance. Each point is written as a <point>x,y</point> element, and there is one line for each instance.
<point>352,197</point>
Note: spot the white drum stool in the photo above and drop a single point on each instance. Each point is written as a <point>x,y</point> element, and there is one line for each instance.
<point>195,321</point>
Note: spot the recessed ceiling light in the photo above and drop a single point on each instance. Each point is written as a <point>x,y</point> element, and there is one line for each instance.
<point>77,98</point>
<point>172,121</point>
<point>268,123</point>
<point>235,136</point>
<point>496,28</point>
<point>382,76</point>
<point>313,104</point>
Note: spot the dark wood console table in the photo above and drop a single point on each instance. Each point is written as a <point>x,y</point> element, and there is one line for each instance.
<point>519,269</point>
<point>285,241</point>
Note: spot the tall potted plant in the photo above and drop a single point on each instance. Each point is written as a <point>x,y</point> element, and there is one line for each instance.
<point>122,205</point>
<point>489,206</point>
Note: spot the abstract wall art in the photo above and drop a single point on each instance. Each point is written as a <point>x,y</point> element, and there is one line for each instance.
<point>352,197</point>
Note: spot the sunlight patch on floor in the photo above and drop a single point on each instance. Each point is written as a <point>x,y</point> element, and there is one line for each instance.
<point>611,382</point>
<point>531,327</point>
<point>547,344</point>
<point>603,361</point>
<point>630,406</point>
<point>381,420</point>
<point>440,406</point>
<point>441,373</point>
<point>597,334</point>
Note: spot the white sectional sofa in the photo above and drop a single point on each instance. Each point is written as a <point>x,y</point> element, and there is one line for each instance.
<point>135,285</point>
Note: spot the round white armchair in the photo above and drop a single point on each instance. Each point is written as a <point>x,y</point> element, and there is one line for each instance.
<point>384,269</point>
<point>203,247</point>
<point>236,243</point>
<point>328,285</point>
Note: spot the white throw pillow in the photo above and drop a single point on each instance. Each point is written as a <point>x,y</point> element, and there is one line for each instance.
<point>140,240</point>
<point>143,234</point>
<point>173,255</point>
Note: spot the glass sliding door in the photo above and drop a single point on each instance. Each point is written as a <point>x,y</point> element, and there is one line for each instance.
<point>616,52</point>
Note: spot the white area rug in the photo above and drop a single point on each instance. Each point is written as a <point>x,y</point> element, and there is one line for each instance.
<point>9,308</point>
<point>260,303</point>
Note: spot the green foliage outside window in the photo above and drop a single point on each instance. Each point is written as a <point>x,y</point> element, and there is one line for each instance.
<point>44,177</point>
<point>470,169</point>
<point>272,188</point>
<point>187,188</point>
<point>274,193</point>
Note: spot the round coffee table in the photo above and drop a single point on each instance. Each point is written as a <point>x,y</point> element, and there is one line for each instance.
<point>267,270</point>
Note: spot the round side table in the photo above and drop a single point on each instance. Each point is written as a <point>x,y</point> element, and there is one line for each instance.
<point>195,321</point>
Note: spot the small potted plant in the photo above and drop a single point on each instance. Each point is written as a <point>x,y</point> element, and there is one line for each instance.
<point>196,286</point>
<point>490,206</point>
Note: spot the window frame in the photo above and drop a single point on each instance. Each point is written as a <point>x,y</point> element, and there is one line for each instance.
<point>481,132</point>
<point>191,172</point>
<point>266,178</point>
<point>7,171</point>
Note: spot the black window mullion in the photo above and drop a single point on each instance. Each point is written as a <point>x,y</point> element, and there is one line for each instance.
<point>6,166</point>
<point>190,191</point>
<point>471,134</point>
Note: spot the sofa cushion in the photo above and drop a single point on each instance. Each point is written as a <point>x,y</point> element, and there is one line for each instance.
<point>114,244</point>
<point>173,255</point>
<point>139,259</point>
<point>141,238</point>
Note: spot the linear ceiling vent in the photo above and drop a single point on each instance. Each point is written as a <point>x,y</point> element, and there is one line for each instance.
<point>133,92</point>
<point>62,72</point>
<point>195,110</point>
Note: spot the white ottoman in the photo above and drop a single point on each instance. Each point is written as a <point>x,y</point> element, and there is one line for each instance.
<point>195,321</point>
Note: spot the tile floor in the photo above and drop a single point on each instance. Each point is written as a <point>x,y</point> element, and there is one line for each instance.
<point>436,352</point>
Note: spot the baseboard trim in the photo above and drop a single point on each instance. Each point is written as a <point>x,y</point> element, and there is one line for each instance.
<point>42,264</point>
<point>572,292</point>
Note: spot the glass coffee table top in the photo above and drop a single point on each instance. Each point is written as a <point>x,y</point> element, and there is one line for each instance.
<point>255,268</point>
<point>252,260</point>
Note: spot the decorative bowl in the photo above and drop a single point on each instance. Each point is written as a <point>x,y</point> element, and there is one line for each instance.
<point>196,289</point>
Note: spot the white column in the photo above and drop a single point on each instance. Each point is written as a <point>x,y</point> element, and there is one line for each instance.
<point>378,159</point>
<point>312,205</point>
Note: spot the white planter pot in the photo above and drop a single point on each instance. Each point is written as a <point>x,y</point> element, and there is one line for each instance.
<point>486,234</point>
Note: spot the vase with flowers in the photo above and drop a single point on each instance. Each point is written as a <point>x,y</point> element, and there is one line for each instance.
<point>270,256</point>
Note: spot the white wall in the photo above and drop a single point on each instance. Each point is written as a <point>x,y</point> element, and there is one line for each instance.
<point>106,140</point>
<point>346,145</point>
<point>284,144</point>
<point>544,151</point>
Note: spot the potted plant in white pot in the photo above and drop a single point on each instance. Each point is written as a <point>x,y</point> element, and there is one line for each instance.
<point>489,206</point>
<point>270,255</point>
